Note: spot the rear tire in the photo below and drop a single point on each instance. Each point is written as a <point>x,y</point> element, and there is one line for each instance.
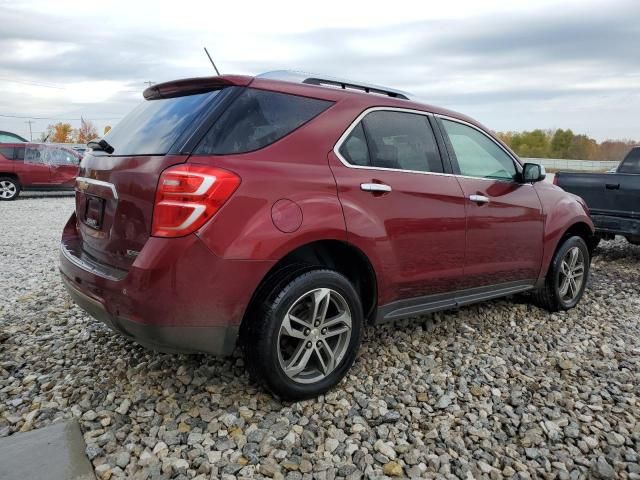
<point>9,188</point>
<point>567,277</point>
<point>303,336</point>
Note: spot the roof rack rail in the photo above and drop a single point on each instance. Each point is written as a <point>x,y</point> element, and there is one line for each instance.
<point>326,81</point>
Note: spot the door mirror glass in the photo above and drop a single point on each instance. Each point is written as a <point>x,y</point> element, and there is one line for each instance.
<point>533,172</point>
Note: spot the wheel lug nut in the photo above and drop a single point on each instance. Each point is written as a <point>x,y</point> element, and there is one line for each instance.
<point>318,344</point>
<point>307,331</point>
<point>324,331</point>
<point>308,344</point>
<point>317,324</point>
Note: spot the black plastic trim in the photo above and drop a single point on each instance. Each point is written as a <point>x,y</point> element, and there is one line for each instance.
<point>443,301</point>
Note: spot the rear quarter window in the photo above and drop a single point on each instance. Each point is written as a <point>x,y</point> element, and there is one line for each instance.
<point>258,118</point>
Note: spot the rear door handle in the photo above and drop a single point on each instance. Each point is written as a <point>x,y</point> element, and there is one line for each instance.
<point>375,187</point>
<point>612,186</point>
<point>479,198</point>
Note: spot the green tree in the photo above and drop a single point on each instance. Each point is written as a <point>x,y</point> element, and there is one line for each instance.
<point>534,144</point>
<point>560,143</point>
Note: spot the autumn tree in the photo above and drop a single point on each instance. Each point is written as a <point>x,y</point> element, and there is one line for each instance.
<point>86,132</point>
<point>615,149</point>
<point>61,132</point>
<point>582,148</point>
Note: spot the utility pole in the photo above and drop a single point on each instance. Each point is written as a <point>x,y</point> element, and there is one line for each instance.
<point>30,130</point>
<point>149,83</point>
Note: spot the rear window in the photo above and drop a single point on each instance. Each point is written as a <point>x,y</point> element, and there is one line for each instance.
<point>631,163</point>
<point>155,125</point>
<point>258,118</point>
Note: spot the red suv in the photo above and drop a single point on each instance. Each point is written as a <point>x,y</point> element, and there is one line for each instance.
<point>36,166</point>
<point>286,213</point>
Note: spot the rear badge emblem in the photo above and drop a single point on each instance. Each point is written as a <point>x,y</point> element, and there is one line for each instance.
<point>82,185</point>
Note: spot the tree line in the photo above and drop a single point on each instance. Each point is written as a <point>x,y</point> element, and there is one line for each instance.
<point>529,144</point>
<point>564,144</point>
<point>63,132</point>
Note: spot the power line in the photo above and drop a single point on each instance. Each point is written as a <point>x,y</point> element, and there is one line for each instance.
<point>56,118</point>
<point>29,82</point>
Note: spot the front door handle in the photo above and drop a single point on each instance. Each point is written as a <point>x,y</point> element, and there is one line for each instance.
<point>612,186</point>
<point>375,187</point>
<point>479,198</point>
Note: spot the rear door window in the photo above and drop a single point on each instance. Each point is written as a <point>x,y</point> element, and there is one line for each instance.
<point>258,118</point>
<point>7,152</point>
<point>154,126</point>
<point>402,141</point>
<point>354,149</point>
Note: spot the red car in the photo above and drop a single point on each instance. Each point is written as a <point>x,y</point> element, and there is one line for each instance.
<point>287,214</point>
<point>36,166</point>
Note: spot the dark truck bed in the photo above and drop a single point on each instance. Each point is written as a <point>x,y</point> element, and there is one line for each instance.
<point>613,198</point>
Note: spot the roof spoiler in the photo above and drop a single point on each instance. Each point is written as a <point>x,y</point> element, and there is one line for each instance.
<point>192,86</point>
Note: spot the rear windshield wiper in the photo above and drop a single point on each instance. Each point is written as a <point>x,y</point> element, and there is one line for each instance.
<point>100,145</point>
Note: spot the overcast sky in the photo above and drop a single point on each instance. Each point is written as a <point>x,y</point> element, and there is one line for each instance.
<point>547,64</point>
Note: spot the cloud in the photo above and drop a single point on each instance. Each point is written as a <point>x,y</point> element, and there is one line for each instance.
<point>513,68</point>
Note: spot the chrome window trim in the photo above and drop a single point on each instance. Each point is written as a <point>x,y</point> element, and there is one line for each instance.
<point>354,124</point>
<point>100,183</point>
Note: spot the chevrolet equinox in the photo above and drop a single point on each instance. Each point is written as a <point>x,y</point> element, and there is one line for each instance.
<point>285,212</point>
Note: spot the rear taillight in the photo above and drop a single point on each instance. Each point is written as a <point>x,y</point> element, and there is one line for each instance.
<point>188,196</point>
<point>555,179</point>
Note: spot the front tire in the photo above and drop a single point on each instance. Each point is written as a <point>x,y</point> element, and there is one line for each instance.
<point>9,188</point>
<point>567,276</point>
<point>304,336</point>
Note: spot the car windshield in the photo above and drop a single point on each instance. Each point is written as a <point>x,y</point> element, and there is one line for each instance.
<point>153,126</point>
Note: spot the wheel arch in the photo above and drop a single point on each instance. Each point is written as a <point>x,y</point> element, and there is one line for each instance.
<point>580,228</point>
<point>337,255</point>
<point>11,175</point>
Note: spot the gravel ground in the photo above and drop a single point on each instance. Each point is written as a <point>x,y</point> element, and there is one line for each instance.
<point>498,390</point>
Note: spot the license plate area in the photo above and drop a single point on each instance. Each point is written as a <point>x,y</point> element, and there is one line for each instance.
<point>94,212</point>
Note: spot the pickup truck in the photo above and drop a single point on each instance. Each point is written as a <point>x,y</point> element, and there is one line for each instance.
<point>33,166</point>
<point>613,198</point>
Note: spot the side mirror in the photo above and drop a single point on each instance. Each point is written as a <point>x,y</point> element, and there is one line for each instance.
<point>533,172</point>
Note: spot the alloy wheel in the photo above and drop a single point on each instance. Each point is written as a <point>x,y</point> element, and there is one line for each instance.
<point>7,189</point>
<point>571,275</point>
<point>314,335</point>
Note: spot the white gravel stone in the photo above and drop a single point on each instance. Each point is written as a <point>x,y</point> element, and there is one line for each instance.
<point>497,389</point>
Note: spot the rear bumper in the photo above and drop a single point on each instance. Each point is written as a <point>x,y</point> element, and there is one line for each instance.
<point>177,296</point>
<point>217,340</point>
<point>616,225</point>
